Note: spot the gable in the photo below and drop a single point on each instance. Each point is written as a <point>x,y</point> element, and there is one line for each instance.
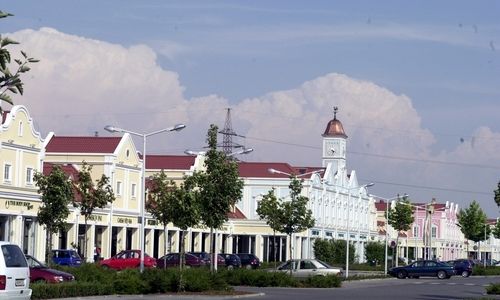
<point>17,128</point>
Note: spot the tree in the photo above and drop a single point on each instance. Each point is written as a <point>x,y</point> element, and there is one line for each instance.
<point>472,222</point>
<point>269,210</point>
<point>295,216</point>
<point>218,188</point>
<point>11,81</point>
<point>400,218</point>
<point>496,230</point>
<point>332,251</point>
<point>497,194</point>
<point>56,192</point>
<point>169,203</point>
<point>89,196</point>
<point>375,252</point>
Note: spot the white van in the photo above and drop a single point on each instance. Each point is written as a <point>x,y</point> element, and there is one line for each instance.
<point>14,273</point>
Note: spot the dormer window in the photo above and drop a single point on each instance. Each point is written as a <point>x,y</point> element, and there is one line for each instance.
<point>128,153</point>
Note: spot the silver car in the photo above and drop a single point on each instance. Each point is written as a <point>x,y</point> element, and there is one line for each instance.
<point>303,268</point>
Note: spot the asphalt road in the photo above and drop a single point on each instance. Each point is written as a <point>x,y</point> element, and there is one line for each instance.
<point>386,289</point>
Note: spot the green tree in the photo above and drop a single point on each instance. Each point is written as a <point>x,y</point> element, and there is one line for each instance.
<point>90,196</point>
<point>10,81</point>
<point>497,195</point>
<point>472,222</point>
<point>496,230</point>
<point>179,205</point>
<point>56,192</point>
<point>375,251</point>
<point>218,188</point>
<point>401,218</point>
<point>333,251</point>
<point>269,211</point>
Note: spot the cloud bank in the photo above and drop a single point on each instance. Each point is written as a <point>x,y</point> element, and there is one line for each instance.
<point>80,85</point>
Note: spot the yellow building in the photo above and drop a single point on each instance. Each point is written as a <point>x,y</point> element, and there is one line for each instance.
<point>21,155</point>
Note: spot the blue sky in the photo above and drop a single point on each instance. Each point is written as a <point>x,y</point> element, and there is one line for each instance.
<point>438,60</point>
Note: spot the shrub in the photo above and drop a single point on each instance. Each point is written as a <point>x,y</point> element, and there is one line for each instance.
<point>333,251</point>
<point>129,282</point>
<point>70,289</point>
<point>328,281</point>
<point>375,252</point>
<point>89,272</point>
<point>493,288</point>
<point>488,271</point>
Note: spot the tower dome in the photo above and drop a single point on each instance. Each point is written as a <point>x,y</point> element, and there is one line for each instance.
<point>334,128</point>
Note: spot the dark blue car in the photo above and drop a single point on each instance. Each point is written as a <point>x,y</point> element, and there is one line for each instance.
<point>462,267</point>
<point>419,268</point>
<point>233,261</point>
<point>66,257</point>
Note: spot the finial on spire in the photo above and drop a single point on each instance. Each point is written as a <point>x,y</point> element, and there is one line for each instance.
<point>335,109</point>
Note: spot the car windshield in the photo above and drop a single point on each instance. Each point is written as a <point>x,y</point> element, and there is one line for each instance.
<point>33,263</point>
<point>323,265</point>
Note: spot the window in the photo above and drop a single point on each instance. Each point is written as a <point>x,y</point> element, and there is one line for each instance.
<point>434,231</point>
<point>133,190</point>
<point>29,176</point>
<point>415,231</point>
<point>118,188</point>
<point>7,172</point>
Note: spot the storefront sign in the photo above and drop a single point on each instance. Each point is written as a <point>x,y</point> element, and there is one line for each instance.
<point>12,203</point>
<point>95,218</point>
<point>124,220</point>
<point>152,222</point>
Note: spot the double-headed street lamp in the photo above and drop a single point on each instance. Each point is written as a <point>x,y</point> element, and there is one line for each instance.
<point>387,201</point>
<point>113,129</point>
<point>243,151</point>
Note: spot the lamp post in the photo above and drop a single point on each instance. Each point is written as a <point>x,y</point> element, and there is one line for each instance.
<point>113,129</point>
<point>387,200</point>
<point>347,224</point>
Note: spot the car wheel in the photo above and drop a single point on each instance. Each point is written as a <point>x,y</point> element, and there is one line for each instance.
<point>230,267</point>
<point>40,280</point>
<point>105,267</point>
<point>441,274</point>
<point>248,267</point>
<point>401,274</point>
<point>187,267</point>
<point>465,274</point>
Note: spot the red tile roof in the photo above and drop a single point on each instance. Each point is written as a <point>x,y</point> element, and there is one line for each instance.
<point>169,162</point>
<point>261,169</point>
<point>82,144</point>
<point>69,170</point>
<point>236,214</point>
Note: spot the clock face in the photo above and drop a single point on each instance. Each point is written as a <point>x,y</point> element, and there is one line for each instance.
<point>331,148</point>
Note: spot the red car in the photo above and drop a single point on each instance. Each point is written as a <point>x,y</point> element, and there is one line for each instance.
<point>41,273</point>
<point>128,259</point>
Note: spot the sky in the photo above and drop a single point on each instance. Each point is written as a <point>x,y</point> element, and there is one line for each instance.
<point>416,82</point>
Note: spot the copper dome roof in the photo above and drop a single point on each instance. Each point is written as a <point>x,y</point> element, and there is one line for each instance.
<point>334,127</point>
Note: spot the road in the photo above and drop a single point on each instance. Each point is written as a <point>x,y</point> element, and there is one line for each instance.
<point>386,289</point>
<point>421,289</point>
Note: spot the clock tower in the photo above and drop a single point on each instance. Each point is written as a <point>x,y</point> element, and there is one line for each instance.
<point>334,144</point>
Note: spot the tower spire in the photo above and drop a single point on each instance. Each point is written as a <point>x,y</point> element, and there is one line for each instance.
<point>335,109</point>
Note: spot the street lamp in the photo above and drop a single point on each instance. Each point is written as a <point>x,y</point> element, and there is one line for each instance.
<point>113,129</point>
<point>274,171</point>
<point>243,151</point>
<point>387,200</point>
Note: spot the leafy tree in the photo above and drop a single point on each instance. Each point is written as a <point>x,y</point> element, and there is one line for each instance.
<point>179,205</point>
<point>218,188</point>
<point>472,222</point>
<point>10,81</point>
<point>375,251</point>
<point>496,230</point>
<point>401,218</point>
<point>497,195</point>
<point>56,192</point>
<point>90,196</point>
<point>269,210</point>
<point>294,215</point>
<point>332,251</point>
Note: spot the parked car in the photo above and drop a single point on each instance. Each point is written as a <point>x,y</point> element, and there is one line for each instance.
<point>41,273</point>
<point>304,268</point>
<point>419,268</point>
<point>173,260</point>
<point>221,262</point>
<point>14,273</point>
<point>66,257</point>
<point>233,261</point>
<point>248,260</point>
<point>462,267</point>
<point>128,259</point>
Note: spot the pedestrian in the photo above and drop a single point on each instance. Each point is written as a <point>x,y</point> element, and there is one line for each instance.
<point>97,253</point>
